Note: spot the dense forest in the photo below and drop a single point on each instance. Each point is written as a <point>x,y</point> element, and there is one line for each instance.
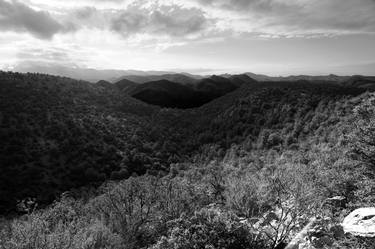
<point>86,165</point>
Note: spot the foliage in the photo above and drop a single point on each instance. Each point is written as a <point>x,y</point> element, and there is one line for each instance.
<point>209,228</point>
<point>249,168</point>
<point>364,145</point>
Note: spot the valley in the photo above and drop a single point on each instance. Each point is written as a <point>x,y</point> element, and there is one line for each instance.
<point>144,162</point>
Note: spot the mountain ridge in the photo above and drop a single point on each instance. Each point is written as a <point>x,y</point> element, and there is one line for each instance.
<point>166,93</point>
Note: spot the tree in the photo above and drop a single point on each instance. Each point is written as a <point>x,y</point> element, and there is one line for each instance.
<point>364,135</point>
<point>209,228</point>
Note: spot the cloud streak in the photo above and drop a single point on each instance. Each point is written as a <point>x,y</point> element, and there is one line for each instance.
<point>16,16</point>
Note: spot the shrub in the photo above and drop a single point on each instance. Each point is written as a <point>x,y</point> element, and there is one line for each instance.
<point>209,228</point>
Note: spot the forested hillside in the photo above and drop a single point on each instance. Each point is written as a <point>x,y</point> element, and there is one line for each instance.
<point>58,134</point>
<point>246,170</point>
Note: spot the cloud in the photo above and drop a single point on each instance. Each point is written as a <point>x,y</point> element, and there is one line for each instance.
<point>296,17</point>
<point>46,54</point>
<point>180,19</point>
<point>174,20</point>
<point>85,12</point>
<point>345,16</point>
<point>15,16</point>
<point>241,5</point>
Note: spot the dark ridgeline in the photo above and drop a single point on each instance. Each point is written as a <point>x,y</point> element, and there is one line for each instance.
<point>165,93</point>
<point>229,147</point>
<point>183,79</point>
<point>184,92</point>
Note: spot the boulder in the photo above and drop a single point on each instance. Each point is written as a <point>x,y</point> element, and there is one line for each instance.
<point>360,222</point>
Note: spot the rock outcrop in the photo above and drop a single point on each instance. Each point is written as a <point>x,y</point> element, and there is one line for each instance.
<point>360,222</point>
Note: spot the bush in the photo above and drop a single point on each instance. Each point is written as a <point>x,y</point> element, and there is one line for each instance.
<point>209,228</point>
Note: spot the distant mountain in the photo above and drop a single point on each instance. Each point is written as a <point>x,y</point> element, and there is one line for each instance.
<point>241,79</point>
<point>183,79</point>
<point>88,74</point>
<point>104,83</point>
<point>166,93</point>
<point>138,76</point>
<point>348,81</point>
<point>216,86</point>
<point>361,81</point>
<point>330,78</point>
<point>125,85</point>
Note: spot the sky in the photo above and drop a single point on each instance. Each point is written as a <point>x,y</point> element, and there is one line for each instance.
<point>274,37</point>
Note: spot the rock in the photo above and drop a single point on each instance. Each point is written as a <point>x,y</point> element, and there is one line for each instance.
<point>360,222</point>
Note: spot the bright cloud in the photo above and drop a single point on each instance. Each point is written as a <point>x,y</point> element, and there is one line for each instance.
<point>180,18</point>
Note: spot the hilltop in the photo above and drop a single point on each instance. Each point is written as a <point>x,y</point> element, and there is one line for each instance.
<point>174,94</point>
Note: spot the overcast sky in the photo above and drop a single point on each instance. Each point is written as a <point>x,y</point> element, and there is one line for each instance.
<point>276,37</point>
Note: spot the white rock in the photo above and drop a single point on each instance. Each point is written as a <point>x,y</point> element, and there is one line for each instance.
<point>360,222</point>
